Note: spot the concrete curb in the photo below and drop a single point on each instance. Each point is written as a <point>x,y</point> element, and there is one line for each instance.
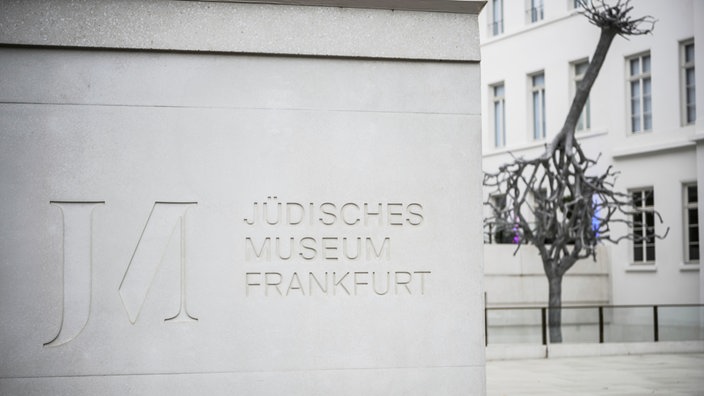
<point>527,351</point>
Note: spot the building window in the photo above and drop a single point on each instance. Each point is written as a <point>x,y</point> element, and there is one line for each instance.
<point>578,4</point>
<point>499,102</point>
<point>689,108</point>
<point>534,13</point>
<point>498,231</point>
<point>538,104</point>
<point>496,26</point>
<point>643,226</point>
<point>640,93</point>
<point>578,71</point>
<point>691,224</point>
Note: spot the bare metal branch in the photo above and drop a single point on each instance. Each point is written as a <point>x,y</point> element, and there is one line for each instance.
<point>616,17</point>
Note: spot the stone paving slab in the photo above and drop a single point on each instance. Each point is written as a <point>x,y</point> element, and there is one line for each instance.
<point>659,374</point>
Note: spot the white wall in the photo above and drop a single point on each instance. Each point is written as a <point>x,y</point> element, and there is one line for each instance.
<point>182,140</point>
<point>663,158</point>
<point>519,280</point>
<point>699,56</point>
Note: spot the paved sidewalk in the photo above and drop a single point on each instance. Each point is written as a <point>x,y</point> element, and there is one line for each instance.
<point>658,374</point>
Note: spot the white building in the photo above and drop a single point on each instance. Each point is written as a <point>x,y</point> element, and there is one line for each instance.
<point>642,117</point>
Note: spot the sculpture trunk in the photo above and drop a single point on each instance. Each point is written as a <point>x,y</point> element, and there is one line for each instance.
<point>565,137</point>
<point>554,308</point>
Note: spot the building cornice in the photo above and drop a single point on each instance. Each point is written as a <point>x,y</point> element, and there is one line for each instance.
<point>287,27</point>
<point>528,147</point>
<point>698,137</point>
<point>653,149</point>
<point>489,40</point>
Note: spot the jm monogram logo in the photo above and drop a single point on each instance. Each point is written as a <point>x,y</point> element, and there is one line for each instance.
<point>165,222</point>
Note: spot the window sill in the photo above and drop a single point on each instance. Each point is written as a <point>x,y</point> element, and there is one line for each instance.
<point>689,267</point>
<point>646,267</point>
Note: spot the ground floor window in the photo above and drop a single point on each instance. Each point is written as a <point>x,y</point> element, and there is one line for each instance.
<point>691,224</point>
<point>643,226</point>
